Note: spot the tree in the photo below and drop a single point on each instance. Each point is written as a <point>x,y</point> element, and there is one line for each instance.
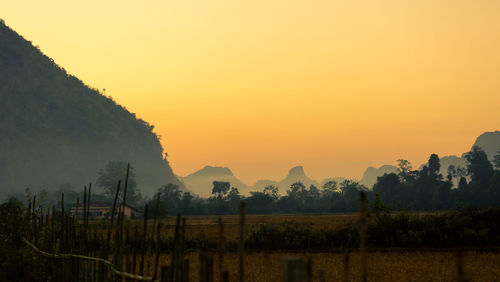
<point>113,172</point>
<point>259,202</point>
<point>272,191</point>
<point>405,170</point>
<point>496,160</point>
<point>479,167</point>
<point>388,188</point>
<point>170,196</point>
<point>434,164</point>
<point>185,203</point>
<point>234,199</point>
<point>295,189</point>
<point>378,206</point>
<point>220,189</point>
<point>330,187</point>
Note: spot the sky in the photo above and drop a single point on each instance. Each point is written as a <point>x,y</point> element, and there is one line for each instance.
<point>264,85</point>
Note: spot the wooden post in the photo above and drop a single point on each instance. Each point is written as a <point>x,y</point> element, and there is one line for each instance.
<point>84,204</point>
<point>134,257</point>
<point>155,218</point>
<point>295,270</point>
<point>113,209</point>
<point>164,273</point>
<point>362,237</point>
<point>205,266</point>
<point>76,209</point>
<point>241,246</point>
<point>185,271</point>
<point>33,218</point>
<point>62,223</point>
<point>157,258</point>
<point>174,264</point>
<point>144,236</point>
<point>309,269</point>
<point>321,275</point>
<point>460,265</point>
<point>225,276</point>
<point>221,248</point>
<point>88,206</point>
<point>346,267</point>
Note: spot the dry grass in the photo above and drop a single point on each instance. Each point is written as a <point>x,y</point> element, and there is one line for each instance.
<point>383,266</point>
<point>390,265</point>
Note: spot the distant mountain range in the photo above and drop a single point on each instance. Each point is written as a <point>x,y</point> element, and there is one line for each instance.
<point>201,181</point>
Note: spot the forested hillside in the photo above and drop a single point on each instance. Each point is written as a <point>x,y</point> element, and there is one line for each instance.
<point>56,130</point>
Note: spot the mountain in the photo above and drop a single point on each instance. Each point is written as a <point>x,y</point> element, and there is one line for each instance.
<point>296,174</point>
<point>489,142</point>
<point>371,173</point>
<point>56,130</point>
<point>201,181</point>
<point>263,183</point>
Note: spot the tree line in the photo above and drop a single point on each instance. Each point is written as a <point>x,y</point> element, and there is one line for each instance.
<point>424,189</point>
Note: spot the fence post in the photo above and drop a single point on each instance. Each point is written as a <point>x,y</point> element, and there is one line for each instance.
<point>157,258</point>
<point>205,266</point>
<point>144,237</point>
<point>321,275</point>
<point>221,249</point>
<point>164,273</point>
<point>185,271</point>
<point>362,236</point>
<point>460,265</point>
<point>241,246</point>
<point>295,270</point>
<point>346,267</point>
<point>225,276</point>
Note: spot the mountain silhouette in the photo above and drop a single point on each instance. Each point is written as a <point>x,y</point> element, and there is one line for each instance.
<point>489,142</point>
<point>201,181</point>
<point>296,174</point>
<point>56,130</point>
<point>371,173</point>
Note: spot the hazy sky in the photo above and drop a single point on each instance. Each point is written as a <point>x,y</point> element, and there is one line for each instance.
<point>260,86</point>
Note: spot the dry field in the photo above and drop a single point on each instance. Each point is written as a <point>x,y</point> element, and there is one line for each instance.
<point>383,266</point>
<point>206,227</point>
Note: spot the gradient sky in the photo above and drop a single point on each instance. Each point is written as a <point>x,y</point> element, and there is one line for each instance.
<point>260,86</point>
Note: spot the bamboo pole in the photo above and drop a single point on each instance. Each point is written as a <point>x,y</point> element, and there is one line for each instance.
<point>157,257</point>
<point>155,218</point>
<point>362,237</point>
<point>113,208</point>
<point>221,249</point>
<point>144,236</point>
<point>241,246</point>
<point>346,267</point>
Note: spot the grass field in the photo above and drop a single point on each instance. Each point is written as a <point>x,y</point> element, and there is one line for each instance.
<point>383,265</point>
<point>207,226</point>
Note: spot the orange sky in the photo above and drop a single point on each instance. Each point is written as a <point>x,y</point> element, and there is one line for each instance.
<point>261,86</point>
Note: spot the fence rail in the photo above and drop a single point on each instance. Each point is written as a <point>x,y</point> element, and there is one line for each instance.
<point>103,261</point>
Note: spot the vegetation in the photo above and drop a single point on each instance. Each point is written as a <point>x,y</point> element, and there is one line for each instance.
<point>57,130</point>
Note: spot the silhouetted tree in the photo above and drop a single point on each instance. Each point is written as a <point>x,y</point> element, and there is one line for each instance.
<point>170,197</point>
<point>109,176</point>
<point>496,160</point>
<point>220,188</point>
<point>479,167</point>
<point>405,170</point>
<point>272,191</point>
